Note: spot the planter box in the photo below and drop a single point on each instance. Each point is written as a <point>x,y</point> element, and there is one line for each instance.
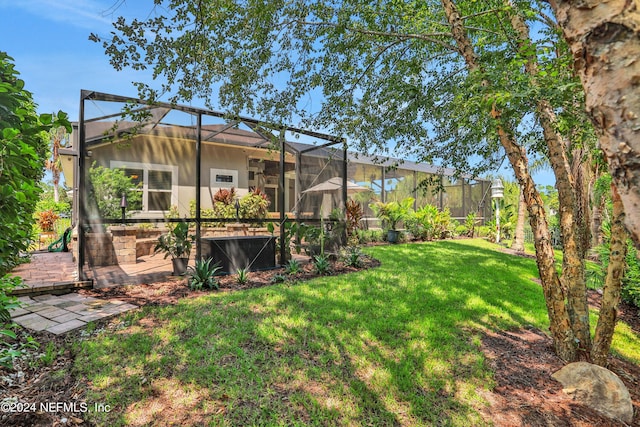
<point>237,252</point>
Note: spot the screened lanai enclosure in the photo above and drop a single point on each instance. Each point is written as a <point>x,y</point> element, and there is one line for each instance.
<point>238,183</point>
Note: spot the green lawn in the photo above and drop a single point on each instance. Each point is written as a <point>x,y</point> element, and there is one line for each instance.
<point>395,345</point>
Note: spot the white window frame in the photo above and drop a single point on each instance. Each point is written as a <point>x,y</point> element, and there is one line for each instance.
<point>146,167</point>
<point>233,173</point>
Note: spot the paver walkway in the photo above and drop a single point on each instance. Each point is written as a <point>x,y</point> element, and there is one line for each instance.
<point>59,314</point>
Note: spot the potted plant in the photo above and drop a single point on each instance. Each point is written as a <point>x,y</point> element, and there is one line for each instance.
<point>391,214</point>
<point>177,244</point>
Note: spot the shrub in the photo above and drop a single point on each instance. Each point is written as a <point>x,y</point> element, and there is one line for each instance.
<point>364,236</point>
<point>7,353</point>
<point>47,219</point>
<point>23,138</point>
<point>24,151</point>
<point>292,267</point>
<point>631,281</point>
<point>392,213</point>
<point>597,273</point>
<point>278,278</point>
<point>469,225</point>
<point>352,256</point>
<point>355,214</point>
<point>242,276</point>
<point>224,196</point>
<point>321,264</point>
<point>254,205</point>
<point>421,223</point>
<point>203,275</point>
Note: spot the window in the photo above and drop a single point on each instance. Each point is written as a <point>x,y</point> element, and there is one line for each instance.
<point>228,179</point>
<point>223,178</point>
<point>159,184</point>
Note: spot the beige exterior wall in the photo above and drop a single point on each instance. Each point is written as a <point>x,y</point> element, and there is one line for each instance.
<point>180,153</point>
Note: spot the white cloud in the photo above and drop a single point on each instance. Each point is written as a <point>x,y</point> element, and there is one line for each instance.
<point>79,13</point>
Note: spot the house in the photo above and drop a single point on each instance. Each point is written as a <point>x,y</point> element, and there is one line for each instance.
<point>182,156</point>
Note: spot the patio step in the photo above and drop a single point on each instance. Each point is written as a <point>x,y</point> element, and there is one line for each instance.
<point>58,288</point>
<point>49,272</point>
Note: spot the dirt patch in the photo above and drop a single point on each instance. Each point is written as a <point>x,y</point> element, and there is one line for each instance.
<point>169,292</point>
<point>523,360</point>
<point>526,395</point>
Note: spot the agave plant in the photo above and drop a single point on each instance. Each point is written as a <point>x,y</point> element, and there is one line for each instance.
<point>243,276</point>
<point>321,264</point>
<point>292,267</point>
<point>203,275</point>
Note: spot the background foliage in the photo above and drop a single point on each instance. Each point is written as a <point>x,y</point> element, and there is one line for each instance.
<point>24,147</point>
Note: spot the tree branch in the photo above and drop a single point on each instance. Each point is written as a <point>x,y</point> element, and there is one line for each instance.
<point>431,37</point>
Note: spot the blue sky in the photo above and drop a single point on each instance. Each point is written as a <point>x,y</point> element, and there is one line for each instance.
<point>49,41</point>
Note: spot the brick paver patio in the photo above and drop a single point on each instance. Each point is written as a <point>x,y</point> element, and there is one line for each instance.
<point>59,314</point>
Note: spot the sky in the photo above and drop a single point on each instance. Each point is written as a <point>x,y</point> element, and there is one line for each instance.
<point>49,42</point>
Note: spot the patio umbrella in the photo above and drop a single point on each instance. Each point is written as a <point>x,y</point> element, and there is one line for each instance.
<point>330,187</point>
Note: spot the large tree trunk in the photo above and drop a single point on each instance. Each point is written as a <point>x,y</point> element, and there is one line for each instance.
<point>581,170</point>
<point>573,278</point>
<point>518,238</point>
<point>559,324</point>
<point>612,285</point>
<point>604,36</point>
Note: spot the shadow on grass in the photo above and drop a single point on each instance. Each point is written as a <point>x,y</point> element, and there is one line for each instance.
<point>394,345</point>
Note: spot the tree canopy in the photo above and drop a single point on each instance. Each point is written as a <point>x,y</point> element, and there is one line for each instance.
<point>387,75</point>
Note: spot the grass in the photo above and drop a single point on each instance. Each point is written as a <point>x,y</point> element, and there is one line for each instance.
<point>395,345</point>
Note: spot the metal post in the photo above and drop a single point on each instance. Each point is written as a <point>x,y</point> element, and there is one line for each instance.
<point>198,185</point>
<point>497,220</point>
<point>344,187</point>
<point>281,198</point>
<point>82,185</point>
<point>123,206</point>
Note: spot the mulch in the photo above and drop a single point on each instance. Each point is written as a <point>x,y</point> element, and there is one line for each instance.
<point>522,360</point>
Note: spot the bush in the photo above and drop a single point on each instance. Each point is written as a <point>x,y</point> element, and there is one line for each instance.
<point>597,273</point>
<point>203,275</point>
<point>370,236</point>
<point>428,223</point>
<point>354,216</point>
<point>254,205</point>
<point>352,256</point>
<point>321,264</point>
<point>242,276</point>
<point>24,150</point>
<point>631,281</point>
<point>292,267</point>
<point>462,230</point>
<point>469,226</point>
<point>47,219</point>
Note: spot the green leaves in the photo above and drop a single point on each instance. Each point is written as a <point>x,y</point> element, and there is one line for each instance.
<point>22,154</point>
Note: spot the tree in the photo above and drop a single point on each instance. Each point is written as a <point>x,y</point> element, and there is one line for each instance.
<point>24,148</point>
<point>59,138</point>
<point>418,79</point>
<point>603,37</point>
<point>22,153</point>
